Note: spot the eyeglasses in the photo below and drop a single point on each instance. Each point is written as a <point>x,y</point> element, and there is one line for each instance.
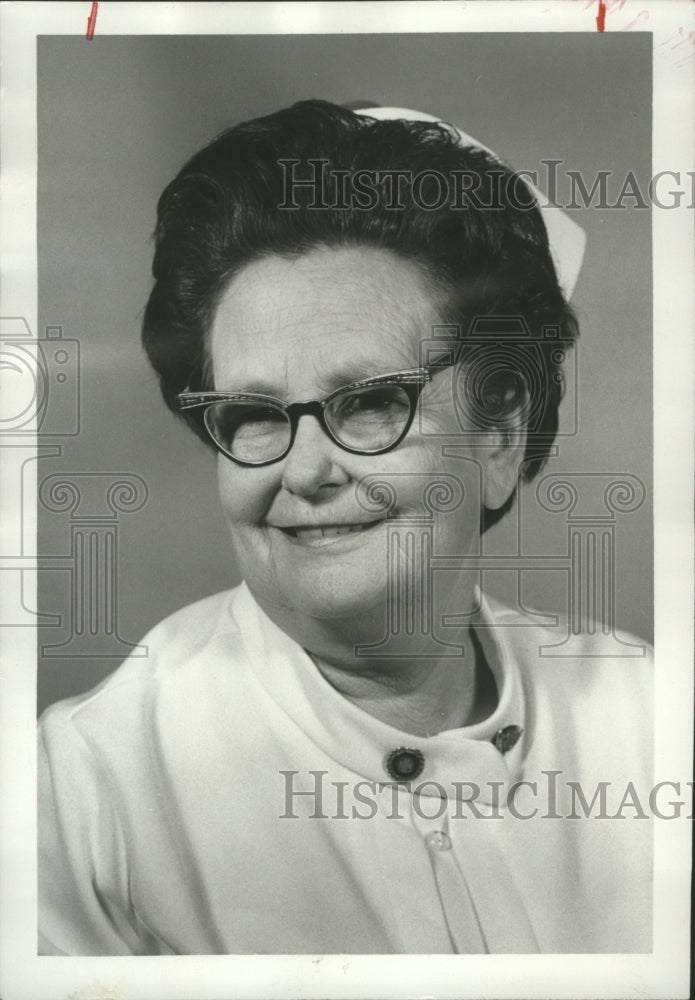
<point>369,417</point>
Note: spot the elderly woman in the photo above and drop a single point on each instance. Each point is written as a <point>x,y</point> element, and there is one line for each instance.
<point>350,752</point>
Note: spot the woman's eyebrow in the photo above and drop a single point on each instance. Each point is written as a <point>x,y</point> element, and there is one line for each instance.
<point>355,371</point>
<point>257,387</point>
<point>358,371</point>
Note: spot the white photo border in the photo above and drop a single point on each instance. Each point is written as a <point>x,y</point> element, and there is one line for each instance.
<point>665,971</point>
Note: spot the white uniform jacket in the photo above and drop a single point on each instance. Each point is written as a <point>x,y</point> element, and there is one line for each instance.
<point>220,797</point>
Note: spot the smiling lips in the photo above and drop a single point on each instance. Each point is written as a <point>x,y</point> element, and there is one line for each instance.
<point>313,534</point>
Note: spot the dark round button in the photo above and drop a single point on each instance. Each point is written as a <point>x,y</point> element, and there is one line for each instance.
<point>405,764</point>
<point>505,739</point>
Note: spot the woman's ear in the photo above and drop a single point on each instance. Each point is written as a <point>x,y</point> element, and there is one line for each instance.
<point>501,463</point>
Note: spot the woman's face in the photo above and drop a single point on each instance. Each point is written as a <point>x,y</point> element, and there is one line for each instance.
<point>296,329</point>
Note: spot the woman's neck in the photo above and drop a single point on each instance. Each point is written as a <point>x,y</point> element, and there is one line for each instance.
<point>422,696</point>
<point>401,682</point>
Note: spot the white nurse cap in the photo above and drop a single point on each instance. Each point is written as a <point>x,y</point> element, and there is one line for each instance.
<point>567,240</point>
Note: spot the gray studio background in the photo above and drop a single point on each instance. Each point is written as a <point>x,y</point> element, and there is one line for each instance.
<point>118,116</point>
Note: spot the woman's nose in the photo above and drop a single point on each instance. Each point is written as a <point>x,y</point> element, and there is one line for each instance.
<point>314,461</point>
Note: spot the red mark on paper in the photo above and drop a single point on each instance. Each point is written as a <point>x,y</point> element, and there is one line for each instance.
<point>642,14</point>
<point>601,16</point>
<point>92,22</point>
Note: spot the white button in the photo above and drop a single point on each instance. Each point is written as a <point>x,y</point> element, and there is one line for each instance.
<point>438,841</point>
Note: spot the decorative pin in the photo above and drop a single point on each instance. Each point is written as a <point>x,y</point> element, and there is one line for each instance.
<point>505,739</point>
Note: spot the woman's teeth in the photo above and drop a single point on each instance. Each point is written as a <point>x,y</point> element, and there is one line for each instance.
<point>308,534</point>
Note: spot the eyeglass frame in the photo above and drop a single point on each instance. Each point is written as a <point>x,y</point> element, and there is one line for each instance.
<point>412,380</point>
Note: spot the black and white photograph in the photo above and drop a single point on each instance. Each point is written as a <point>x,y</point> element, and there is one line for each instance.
<point>347,463</point>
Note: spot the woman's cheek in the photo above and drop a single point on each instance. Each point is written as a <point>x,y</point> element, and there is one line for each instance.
<point>245,494</point>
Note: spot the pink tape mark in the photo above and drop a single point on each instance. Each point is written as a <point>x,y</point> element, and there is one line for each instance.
<point>92,22</point>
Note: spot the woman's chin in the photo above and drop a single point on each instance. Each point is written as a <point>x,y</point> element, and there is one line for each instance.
<point>361,604</point>
<point>338,603</point>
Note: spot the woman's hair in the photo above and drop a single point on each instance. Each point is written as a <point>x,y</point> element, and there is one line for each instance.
<point>408,187</point>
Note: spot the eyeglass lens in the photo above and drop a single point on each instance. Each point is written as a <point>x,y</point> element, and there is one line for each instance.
<point>369,419</point>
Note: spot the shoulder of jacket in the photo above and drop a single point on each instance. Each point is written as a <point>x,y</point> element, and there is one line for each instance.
<point>177,640</point>
<point>540,647</point>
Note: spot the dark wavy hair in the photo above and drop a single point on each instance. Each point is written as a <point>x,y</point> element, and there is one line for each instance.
<point>487,252</point>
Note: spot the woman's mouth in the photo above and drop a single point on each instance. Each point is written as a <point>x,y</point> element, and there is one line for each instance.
<point>323,534</point>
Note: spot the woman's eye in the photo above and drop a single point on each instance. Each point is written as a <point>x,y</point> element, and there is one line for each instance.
<point>379,403</point>
<point>365,404</point>
<point>245,422</point>
<point>259,421</point>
